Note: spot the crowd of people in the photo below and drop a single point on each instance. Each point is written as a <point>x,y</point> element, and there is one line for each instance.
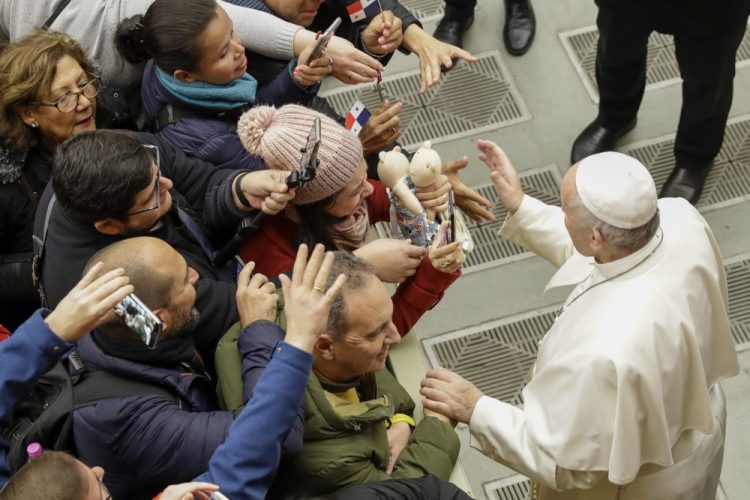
<point>158,152</point>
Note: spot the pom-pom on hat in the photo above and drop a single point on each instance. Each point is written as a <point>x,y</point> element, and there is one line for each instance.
<point>278,136</point>
<point>617,189</point>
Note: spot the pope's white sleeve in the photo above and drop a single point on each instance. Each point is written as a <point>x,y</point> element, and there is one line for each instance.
<point>262,32</point>
<point>540,228</point>
<point>499,431</point>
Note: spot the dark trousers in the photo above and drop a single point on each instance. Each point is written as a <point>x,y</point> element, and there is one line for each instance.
<point>423,488</point>
<point>459,9</point>
<point>706,36</point>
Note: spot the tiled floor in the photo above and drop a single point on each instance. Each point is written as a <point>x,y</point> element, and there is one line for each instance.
<point>555,100</point>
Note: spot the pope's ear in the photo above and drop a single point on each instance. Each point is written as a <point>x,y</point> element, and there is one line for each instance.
<point>324,347</point>
<point>597,239</point>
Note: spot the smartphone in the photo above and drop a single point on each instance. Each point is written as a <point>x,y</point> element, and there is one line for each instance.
<point>451,217</point>
<point>309,161</point>
<point>140,319</point>
<point>322,42</point>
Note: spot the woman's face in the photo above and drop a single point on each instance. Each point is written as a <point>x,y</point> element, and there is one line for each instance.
<point>53,125</point>
<point>353,194</point>
<point>222,54</point>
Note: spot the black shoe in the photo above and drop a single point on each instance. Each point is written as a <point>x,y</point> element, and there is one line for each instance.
<point>685,183</point>
<point>595,138</point>
<point>520,26</point>
<point>451,30</point>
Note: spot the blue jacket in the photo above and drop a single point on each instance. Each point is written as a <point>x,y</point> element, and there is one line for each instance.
<point>245,465</point>
<point>146,442</point>
<point>209,137</point>
<point>29,353</point>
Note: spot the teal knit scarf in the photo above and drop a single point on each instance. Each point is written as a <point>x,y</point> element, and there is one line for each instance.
<point>208,95</point>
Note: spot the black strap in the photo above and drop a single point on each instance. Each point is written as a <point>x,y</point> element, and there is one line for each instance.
<point>95,386</point>
<point>38,245</point>
<point>56,13</point>
<point>169,114</point>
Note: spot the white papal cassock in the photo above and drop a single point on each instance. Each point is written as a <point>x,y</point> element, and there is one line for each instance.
<point>624,401</point>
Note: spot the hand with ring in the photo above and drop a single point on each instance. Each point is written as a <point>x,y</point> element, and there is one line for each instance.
<point>307,296</point>
<point>256,296</point>
<point>382,129</point>
<point>447,258</point>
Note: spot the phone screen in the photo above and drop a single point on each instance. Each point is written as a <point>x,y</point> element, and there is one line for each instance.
<point>140,319</point>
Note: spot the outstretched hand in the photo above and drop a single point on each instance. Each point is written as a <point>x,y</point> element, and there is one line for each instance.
<point>449,394</point>
<point>89,304</point>
<point>433,54</point>
<point>384,34</point>
<point>503,175</point>
<point>256,296</point>
<point>469,201</point>
<point>306,299</point>
<point>351,65</point>
<point>382,129</point>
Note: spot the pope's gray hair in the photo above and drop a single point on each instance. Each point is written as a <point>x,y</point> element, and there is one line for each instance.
<point>631,239</point>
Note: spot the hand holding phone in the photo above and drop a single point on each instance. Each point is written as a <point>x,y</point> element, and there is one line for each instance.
<point>322,42</point>
<point>309,161</point>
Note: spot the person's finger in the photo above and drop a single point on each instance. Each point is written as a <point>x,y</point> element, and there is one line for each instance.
<point>391,112</point>
<point>286,284</point>
<point>243,279</point>
<point>441,374</point>
<point>91,275</point>
<point>300,262</point>
<point>454,166</point>
<point>98,294</point>
<point>415,251</point>
<point>335,289</point>
<point>440,202</point>
<point>257,281</point>
<point>457,52</point>
<point>359,65</point>
<point>321,278</point>
<point>98,282</point>
<point>471,195</point>
<point>440,252</point>
<point>424,73</point>
<point>108,303</point>
<point>313,264</point>
<point>269,287</point>
<point>438,407</point>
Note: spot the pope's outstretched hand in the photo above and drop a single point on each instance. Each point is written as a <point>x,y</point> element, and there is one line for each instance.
<point>503,175</point>
<point>449,394</point>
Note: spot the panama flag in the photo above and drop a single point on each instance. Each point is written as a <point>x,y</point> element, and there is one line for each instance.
<point>362,9</point>
<point>357,117</point>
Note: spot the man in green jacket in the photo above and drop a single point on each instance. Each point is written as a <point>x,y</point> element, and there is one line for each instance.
<point>357,419</point>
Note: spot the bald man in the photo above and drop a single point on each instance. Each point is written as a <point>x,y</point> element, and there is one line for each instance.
<point>624,400</point>
<point>148,441</point>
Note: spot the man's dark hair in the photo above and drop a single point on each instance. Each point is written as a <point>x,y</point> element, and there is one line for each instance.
<point>358,275</point>
<point>53,476</point>
<point>98,174</point>
<point>168,33</point>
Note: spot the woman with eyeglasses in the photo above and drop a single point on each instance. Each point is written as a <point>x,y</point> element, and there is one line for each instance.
<point>48,93</point>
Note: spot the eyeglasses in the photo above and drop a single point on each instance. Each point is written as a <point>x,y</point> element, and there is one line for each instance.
<point>69,101</point>
<point>155,193</point>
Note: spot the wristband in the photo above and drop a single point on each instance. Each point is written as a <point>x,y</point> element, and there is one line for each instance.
<point>400,417</point>
<point>238,190</point>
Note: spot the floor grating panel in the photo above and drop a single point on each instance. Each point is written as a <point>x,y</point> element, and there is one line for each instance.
<point>471,98</point>
<point>729,180</point>
<point>510,488</point>
<point>425,10</point>
<point>661,70</point>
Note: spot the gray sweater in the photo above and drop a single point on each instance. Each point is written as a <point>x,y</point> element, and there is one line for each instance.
<point>94,23</point>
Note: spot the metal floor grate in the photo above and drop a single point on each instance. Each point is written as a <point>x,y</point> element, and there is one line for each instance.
<point>469,99</point>
<point>496,356</point>
<point>490,250</point>
<point>510,488</point>
<point>729,180</point>
<point>738,280</point>
<point>661,70</point>
<point>425,9</point>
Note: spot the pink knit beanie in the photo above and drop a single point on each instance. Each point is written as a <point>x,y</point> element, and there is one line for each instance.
<point>278,135</point>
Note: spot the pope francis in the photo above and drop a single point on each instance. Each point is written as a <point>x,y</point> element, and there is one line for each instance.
<point>624,400</point>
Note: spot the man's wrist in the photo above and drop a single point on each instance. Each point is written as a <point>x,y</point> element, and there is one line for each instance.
<point>239,193</point>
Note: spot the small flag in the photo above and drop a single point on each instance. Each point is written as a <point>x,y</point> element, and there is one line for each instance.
<point>357,117</point>
<point>362,9</point>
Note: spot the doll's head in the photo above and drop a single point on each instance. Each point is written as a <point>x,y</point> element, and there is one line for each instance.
<point>192,40</point>
<point>425,166</point>
<point>392,166</point>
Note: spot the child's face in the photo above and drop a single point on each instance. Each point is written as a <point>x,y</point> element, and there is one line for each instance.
<point>222,54</point>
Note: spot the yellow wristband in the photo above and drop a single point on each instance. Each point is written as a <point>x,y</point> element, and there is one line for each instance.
<point>401,417</point>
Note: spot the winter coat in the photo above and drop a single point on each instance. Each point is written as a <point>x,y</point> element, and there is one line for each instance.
<point>211,134</point>
<point>201,191</point>
<point>346,443</point>
<point>146,442</point>
<point>22,181</point>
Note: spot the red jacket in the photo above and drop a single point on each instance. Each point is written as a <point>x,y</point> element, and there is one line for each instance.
<point>273,251</point>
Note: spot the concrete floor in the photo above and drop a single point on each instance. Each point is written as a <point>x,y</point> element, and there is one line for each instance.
<point>560,107</point>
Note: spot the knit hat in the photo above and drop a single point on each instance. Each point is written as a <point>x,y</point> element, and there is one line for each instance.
<point>617,189</point>
<point>278,136</point>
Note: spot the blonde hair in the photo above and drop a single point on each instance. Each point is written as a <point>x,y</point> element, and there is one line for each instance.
<point>27,68</point>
